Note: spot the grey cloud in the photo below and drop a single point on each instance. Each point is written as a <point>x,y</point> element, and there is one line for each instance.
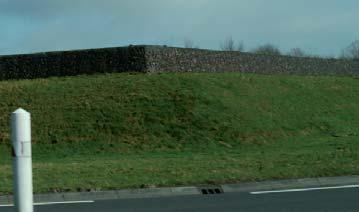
<point>43,25</point>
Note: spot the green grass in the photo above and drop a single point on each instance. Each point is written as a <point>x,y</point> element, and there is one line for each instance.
<point>134,130</point>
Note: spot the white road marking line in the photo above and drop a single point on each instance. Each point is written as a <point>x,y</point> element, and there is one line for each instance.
<point>304,189</point>
<point>6,206</point>
<point>54,203</point>
<point>67,202</point>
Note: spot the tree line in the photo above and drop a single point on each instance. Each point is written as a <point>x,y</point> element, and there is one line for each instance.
<point>349,52</point>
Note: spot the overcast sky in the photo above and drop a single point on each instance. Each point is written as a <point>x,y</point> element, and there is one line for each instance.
<point>318,26</point>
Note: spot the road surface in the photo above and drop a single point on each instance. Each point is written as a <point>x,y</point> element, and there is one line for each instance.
<point>341,200</point>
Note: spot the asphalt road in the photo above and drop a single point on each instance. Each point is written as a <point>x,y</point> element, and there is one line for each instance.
<point>340,200</point>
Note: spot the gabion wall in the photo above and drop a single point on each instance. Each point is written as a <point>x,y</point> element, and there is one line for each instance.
<point>164,59</point>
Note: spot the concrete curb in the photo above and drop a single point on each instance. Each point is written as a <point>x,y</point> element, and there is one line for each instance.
<point>183,191</point>
<point>291,184</point>
<point>107,195</point>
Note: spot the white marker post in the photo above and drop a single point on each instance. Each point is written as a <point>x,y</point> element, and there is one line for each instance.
<point>22,163</point>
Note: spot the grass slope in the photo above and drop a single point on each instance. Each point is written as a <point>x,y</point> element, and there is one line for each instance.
<point>132,130</point>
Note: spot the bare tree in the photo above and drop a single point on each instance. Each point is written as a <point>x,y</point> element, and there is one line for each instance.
<point>240,46</point>
<point>188,43</point>
<point>228,45</point>
<point>297,52</point>
<point>352,51</point>
<point>267,49</point>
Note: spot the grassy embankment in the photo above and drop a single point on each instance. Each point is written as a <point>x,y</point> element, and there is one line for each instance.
<point>121,130</point>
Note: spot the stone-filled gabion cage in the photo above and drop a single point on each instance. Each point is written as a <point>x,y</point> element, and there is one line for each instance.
<point>164,59</point>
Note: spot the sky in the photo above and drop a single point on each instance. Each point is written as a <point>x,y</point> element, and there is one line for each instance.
<point>319,27</point>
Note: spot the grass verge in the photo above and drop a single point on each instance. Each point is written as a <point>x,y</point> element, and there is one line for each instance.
<point>124,131</point>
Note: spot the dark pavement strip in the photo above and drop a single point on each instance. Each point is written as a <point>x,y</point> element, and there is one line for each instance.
<point>191,190</point>
<point>338,200</point>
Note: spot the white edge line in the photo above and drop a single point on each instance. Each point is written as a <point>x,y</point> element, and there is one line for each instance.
<point>67,202</point>
<point>304,189</point>
<point>6,205</point>
<point>54,203</point>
